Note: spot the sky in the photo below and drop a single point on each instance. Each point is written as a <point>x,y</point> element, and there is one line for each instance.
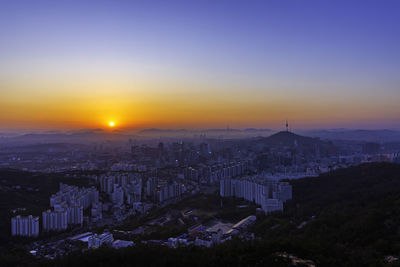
<point>199,64</point>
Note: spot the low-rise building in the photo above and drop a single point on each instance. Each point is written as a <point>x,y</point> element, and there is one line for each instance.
<point>122,244</point>
<point>96,241</point>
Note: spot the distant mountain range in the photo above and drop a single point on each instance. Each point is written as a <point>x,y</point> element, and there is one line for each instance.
<point>87,135</point>
<point>380,136</point>
<point>222,130</point>
<point>82,137</point>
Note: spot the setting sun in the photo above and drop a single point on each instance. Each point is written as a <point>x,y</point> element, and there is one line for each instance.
<point>111,124</point>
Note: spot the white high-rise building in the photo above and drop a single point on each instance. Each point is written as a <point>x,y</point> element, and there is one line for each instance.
<point>118,195</point>
<point>134,191</point>
<point>225,188</point>
<point>107,184</point>
<point>55,220</point>
<point>75,215</point>
<point>96,212</point>
<point>73,195</point>
<point>25,226</point>
<point>269,194</point>
<point>168,191</point>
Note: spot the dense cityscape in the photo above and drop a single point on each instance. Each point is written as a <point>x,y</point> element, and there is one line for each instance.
<point>201,133</point>
<point>129,182</point>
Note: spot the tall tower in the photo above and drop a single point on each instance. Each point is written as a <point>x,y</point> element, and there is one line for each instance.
<point>287,126</point>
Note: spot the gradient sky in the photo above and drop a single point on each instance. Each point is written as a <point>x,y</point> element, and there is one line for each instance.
<point>199,64</point>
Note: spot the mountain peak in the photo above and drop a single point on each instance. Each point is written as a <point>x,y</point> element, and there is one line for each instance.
<point>289,138</point>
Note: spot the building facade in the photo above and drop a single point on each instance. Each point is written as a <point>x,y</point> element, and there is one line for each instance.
<point>54,220</point>
<point>25,226</point>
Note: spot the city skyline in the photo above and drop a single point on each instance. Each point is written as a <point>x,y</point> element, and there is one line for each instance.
<point>197,65</point>
<point>199,133</point>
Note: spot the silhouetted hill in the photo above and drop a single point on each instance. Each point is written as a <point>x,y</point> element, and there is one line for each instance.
<point>360,185</point>
<point>289,139</point>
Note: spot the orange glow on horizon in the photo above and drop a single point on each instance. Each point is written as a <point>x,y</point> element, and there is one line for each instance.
<point>141,104</point>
